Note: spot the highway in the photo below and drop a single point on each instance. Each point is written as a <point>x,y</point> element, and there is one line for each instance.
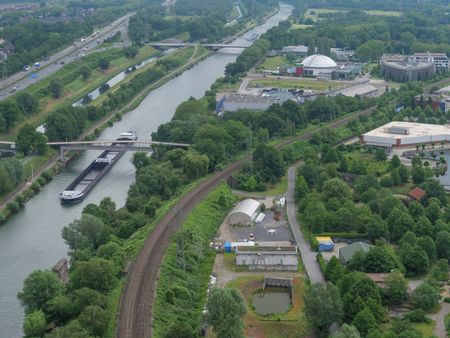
<point>78,49</point>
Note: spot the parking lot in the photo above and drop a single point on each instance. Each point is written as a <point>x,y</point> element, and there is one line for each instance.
<point>267,231</point>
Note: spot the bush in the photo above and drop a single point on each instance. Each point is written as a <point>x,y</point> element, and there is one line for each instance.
<point>13,207</point>
<point>47,176</point>
<point>447,299</point>
<point>20,199</point>
<point>417,316</point>
<point>321,261</point>
<point>35,187</point>
<point>314,243</point>
<point>41,181</point>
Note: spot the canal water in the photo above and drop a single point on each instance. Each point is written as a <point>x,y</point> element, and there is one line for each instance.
<point>271,301</point>
<point>32,239</point>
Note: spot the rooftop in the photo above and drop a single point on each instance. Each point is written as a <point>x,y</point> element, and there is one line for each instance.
<point>360,90</point>
<point>319,61</point>
<point>413,129</point>
<point>240,98</point>
<point>417,193</point>
<point>347,252</point>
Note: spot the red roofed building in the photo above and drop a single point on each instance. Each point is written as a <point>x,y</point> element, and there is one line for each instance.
<point>417,193</point>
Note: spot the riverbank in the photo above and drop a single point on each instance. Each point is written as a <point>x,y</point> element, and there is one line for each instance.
<point>52,166</point>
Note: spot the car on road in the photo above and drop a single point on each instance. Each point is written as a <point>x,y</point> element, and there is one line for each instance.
<point>26,68</point>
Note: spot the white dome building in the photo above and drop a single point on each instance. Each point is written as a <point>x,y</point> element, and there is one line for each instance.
<point>318,65</point>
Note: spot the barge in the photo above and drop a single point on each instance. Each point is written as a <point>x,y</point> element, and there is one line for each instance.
<point>85,182</point>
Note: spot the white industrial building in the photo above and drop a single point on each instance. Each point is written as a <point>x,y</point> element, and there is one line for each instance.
<point>407,134</point>
<point>245,212</point>
<point>318,65</point>
<point>268,258</point>
<point>299,50</point>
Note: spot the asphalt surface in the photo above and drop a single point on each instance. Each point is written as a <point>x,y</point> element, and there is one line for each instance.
<point>78,49</point>
<point>308,256</point>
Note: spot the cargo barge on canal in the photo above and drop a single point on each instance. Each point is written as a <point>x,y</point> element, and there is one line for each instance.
<point>85,182</point>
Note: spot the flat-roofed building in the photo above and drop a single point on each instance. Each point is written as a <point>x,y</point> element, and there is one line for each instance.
<point>268,258</point>
<point>440,60</point>
<point>235,102</point>
<point>399,68</point>
<point>406,134</point>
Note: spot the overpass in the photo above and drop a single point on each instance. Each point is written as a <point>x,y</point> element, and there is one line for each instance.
<point>138,145</point>
<point>186,44</point>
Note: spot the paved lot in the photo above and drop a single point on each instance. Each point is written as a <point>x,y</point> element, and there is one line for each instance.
<point>268,230</point>
<point>327,255</point>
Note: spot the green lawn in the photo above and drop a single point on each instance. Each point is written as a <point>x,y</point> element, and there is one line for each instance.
<point>314,12</point>
<point>382,13</point>
<point>300,26</point>
<point>274,62</point>
<point>296,83</point>
<point>279,188</point>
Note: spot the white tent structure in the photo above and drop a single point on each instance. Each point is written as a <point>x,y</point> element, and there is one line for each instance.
<point>244,212</point>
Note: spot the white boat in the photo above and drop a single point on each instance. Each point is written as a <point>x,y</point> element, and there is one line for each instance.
<point>127,136</point>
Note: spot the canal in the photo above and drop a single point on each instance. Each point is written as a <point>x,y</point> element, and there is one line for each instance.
<point>32,239</point>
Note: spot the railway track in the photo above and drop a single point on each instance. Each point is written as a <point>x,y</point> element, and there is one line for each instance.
<point>136,304</point>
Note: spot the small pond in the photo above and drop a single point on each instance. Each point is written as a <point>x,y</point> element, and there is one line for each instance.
<point>271,301</point>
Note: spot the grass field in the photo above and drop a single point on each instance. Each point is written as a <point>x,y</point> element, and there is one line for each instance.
<point>286,325</point>
<point>300,26</point>
<point>274,62</point>
<point>296,83</point>
<point>313,13</point>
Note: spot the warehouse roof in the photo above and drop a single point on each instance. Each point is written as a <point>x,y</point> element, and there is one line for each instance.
<point>247,206</point>
<point>413,129</point>
<point>240,98</point>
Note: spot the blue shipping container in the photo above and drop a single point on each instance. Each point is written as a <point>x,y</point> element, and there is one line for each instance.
<point>227,247</point>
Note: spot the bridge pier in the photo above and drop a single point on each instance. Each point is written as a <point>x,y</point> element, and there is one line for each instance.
<point>61,157</point>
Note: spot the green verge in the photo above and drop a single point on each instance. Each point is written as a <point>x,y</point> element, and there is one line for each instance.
<point>181,290</point>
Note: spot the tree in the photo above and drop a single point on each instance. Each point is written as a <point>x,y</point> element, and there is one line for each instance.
<point>425,297</point>
<point>98,274</point>
<point>61,309</point>
<point>365,321</point>
<point>268,162</point>
<point>335,187</point>
<point>27,103</point>
<point>380,154</point>
<point>347,331</point>
<point>95,320</point>
<point>418,174</point>
<point>377,228</point>
<point>56,88</point>
<point>403,173</point>
<point>25,139</point>
<point>417,261</point>
<point>72,330</point>
<point>103,63</point>
<point>38,288</point>
<point>395,177</point>
<point>195,165</point>
<point>442,244</point>
<point>84,297</point>
<point>225,310</point>
<point>395,162</point>
<point>378,259</point>
<point>334,270</point>
<point>89,232</point>
<point>85,72</point>
<point>131,52</point>
<point>301,188</point>
<point>180,330</point>
<point>34,324</point>
<point>396,288</point>
<point>323,306</point>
